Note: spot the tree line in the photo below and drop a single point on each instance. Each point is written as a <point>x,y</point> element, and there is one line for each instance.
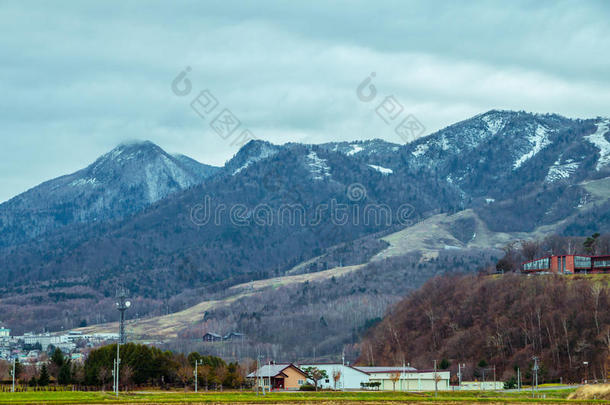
<point>141,365</point>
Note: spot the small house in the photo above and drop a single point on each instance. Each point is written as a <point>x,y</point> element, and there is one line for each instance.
<point>278,377</point>
<point>212,337</point>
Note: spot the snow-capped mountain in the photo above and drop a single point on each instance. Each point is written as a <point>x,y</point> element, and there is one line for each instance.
<point>510,171</point>
<point>124,181</point>
<point>499,152</point>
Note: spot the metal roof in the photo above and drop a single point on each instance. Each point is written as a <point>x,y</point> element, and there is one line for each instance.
<point>387,369</point>
<point>271,370</point>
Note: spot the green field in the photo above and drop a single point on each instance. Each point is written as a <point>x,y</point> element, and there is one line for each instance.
<point>69,397</point>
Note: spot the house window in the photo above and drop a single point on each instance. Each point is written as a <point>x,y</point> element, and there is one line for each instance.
<point>300,382</point>
<point>327,381</point>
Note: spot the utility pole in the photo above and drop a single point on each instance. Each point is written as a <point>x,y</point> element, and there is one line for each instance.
<point>114,375</point>
<point>460,368</point>
<point>13,375</point>
<point>494,377</point>
<point>197,362</point>
<point>343,370</point>
<point>402,375</point>
<point>262,378</point>
<point>519,379</point>
<point>258,369</point>
<point>435,381</point>
<point>117,361</point>
<point>535,377</point>
<point>121,304</point>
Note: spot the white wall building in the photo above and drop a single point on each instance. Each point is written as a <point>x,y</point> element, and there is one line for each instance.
<point>44,340</point>
<point>409,378</point>
<point>481,385</point>
<point>350,377</point>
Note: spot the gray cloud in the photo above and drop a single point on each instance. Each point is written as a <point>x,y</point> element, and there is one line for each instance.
<point>79,78</point>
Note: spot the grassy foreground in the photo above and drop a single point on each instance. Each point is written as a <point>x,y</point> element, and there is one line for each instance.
<point>69,397</point>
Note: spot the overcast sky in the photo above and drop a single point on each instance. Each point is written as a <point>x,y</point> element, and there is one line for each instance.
<point>78,78</point>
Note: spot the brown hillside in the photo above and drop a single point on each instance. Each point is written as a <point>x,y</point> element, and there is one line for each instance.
<point>503,320</point>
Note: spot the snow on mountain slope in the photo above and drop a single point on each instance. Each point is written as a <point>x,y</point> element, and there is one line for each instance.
<point>121,182</point>
<point>253,152</point>
<point>317,166</point>
<point>599,140</point>
<point>383,170</point>
<point>561,171</point>
<point>355,149</point>
<point>538,141</point>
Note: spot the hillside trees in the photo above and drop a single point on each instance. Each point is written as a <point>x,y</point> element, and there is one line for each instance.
<point>504,321</point>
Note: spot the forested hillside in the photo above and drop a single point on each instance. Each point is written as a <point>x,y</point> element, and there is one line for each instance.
<point>500,321</point>
<point>323,318</point>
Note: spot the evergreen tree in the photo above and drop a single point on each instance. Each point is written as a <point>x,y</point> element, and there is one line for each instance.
<point>44,376</point>
<point>65,374</point>
<point>57,358</point>
<point>18,369</point>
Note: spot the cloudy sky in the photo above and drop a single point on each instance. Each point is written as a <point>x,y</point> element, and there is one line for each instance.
<point>78,78</point>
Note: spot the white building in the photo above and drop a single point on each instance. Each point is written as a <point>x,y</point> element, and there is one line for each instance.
<point>481,385</point>
<point>389,378</point>
<point>45,340</point>
<point>408,378</point>
<point>4,332</point>
<point>347,376</point>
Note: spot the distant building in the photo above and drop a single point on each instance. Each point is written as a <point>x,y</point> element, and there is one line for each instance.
<point>45,340</point>
<point>568,264</point>
<point>4,332</point>
<point>347,377</point>
<point>481,385</point>
<point>408,378</point>
<point>387,377</point>
<point>212,337</point>
<point>278,377</point>
<point>229,337</point>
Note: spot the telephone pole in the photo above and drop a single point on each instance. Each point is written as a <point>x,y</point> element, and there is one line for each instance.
<point>13,375</point>
<point>343,370</point>
<point>197,362</point>
<point>535,377</point>
<point>460,368</point>
<point>435,381</point>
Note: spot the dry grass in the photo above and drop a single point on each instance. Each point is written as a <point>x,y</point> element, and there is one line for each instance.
<point>168,326</point>
<point>597,391</point>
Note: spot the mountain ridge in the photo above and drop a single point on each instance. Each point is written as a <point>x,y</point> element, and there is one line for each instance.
<point>163,250</point>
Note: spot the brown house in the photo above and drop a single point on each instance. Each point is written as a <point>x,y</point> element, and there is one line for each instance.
<point>279,377</point>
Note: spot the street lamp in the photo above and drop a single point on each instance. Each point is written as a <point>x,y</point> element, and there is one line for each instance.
<point>121,305</point>
<point>585,364</point>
